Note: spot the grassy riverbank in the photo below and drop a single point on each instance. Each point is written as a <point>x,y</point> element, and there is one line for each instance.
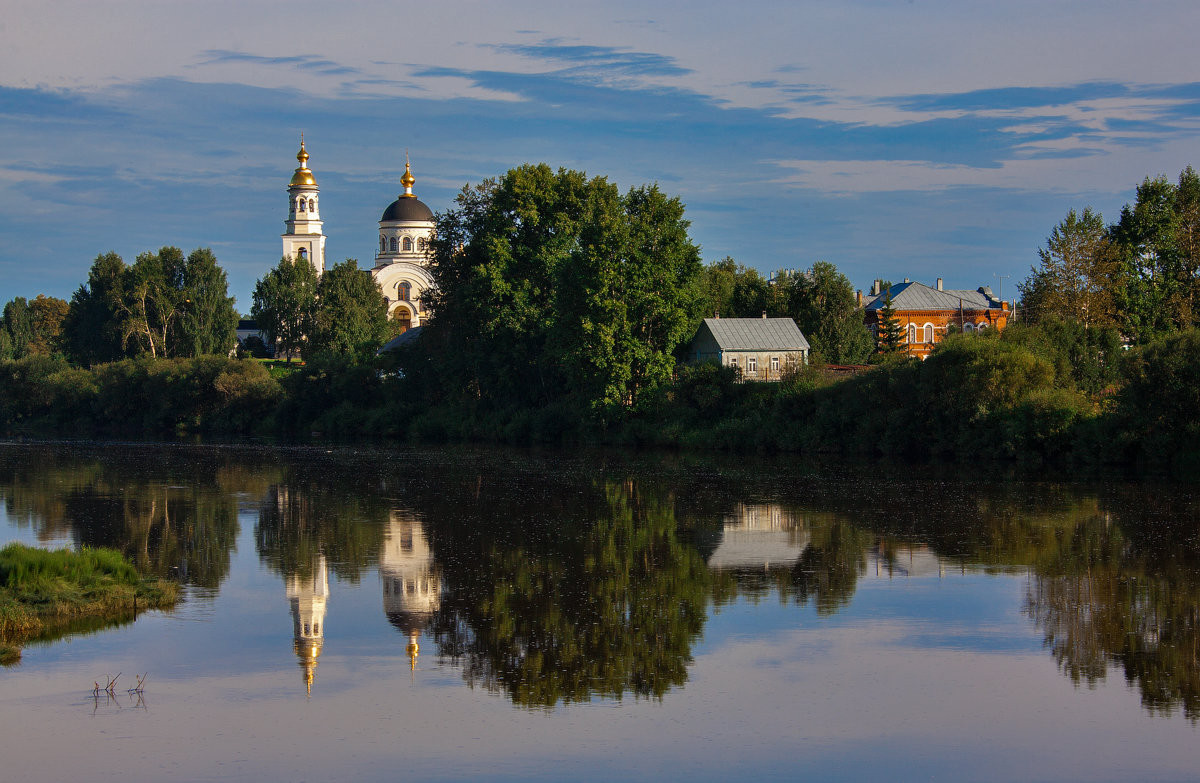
<point>44,592</point>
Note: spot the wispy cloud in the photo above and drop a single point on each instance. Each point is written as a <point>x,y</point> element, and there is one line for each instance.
<point>609,59</point>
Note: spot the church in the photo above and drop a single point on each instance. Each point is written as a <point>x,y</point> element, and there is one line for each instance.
<point>405,233</point>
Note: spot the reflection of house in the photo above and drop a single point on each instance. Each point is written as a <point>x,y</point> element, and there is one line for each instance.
<point>412,585</point>
<point>405,234</point>
<point>927,314</point>
<point>760,348</point>
<point>759,537</point>
<point>307,597</point>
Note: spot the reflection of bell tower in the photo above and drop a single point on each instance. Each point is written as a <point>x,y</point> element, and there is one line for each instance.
<point>412,586</point>
<point>307,597</point>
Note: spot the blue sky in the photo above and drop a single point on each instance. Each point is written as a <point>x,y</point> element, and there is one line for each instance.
<point>894,139</point>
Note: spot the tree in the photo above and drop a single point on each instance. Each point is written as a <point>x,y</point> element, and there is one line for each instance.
<point>1158,244</point>
<point>351,314</point>
<point>46,315</point>
<point>285,303</point>
<point>19,325</point>
<point>207,321</point>
<point>822,302</point>
<point>890,337</point>
<point>555,288</point>
<point>1075,278</point>
<point>91,329</point>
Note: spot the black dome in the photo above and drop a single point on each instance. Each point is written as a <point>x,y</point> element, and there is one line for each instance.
<point>406,208</point>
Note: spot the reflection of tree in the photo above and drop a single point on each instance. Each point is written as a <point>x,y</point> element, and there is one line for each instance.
<point>606,602</point>
<point>173,514</point>
<point>1124,594</point>
<point>321,510</point>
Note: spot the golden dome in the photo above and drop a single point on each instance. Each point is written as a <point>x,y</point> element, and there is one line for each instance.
<point>407,181</point>
<point>303,177</point>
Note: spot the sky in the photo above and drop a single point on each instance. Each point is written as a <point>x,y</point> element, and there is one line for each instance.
<point>898,140</point>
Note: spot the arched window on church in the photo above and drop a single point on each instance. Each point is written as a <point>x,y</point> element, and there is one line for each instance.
<point>312,205</point>
<point>405,291</point>
<point>421,244</point>
<point>302,254</point>
<point>382,244</point>
<point>302,202</point>
<point>392,244</point>
<point>408,244</point>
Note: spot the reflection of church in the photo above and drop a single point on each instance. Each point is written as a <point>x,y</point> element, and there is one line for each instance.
<point>412,583</point>
<point>405,232</point>
<point>759,537</point>
<point>307,597</point>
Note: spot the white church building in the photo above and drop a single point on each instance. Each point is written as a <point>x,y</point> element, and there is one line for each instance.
<point>405,233</point>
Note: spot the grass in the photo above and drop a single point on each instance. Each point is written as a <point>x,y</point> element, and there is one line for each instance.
<point>45,593</point>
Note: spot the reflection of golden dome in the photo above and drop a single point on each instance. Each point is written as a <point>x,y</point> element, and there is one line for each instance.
<point>303,177</point>
<point>308,651</point>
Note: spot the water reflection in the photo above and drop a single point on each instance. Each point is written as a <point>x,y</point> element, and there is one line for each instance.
<point>412,582</point>
<point>554,583</point>
<point>307,595</point>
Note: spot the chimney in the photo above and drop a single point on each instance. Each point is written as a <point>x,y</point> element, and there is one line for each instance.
<point>906,279</point>
<point>764,315</point>
<point>939,284</point>
<point>875,288</point>
<point>858,297</point>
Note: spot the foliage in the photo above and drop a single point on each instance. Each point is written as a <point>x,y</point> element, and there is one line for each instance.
<point>552,285</point>
<point>92,330</point>
<point>1075,278</point>
<point>208,320</point>
<point>351,313</point>
<point>1159,406</point>
<point>285,305</point>
<point>822,302</point>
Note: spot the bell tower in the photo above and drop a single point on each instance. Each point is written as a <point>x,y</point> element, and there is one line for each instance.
<point>304,238</point>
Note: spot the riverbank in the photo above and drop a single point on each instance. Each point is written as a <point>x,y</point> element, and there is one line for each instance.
<point>46,592</point>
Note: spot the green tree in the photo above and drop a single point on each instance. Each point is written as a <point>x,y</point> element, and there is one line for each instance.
<point>207,321</point>
<point>91,329</point>
<point>46,315</point>
<point>285,304</point>
<point>351,314</point>
<point>890,335</point>
<point>822,302</point>
<point>1075,277</point>
<point>18,322</point>
<point>153,302</point>
<point>554,287</point>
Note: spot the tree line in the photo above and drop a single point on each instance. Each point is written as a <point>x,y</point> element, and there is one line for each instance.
<point>1139,275</point>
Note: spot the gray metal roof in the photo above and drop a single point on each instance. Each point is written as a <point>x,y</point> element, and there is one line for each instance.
<point>918,296</point>
<point>407,337</point>
<point>756,334</point>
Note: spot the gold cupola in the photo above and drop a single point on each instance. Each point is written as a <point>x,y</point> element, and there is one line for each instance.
<point>303,177</point>
<point>407,180</point>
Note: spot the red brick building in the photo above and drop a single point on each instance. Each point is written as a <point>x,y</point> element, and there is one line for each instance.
<point>927,314</point>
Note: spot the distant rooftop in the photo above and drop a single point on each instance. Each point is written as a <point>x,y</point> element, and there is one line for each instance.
<point>918,296</point>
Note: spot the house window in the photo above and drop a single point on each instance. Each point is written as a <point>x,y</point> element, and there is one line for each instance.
<point>774,364</point>
<point>912,333</point>
<point>981,327</point>
<point>968,327</point>
<point>752,366</point>
<point>928,333</point>
<point>733,361</point>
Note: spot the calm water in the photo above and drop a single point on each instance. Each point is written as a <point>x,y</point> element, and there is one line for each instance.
<point>502,615</point>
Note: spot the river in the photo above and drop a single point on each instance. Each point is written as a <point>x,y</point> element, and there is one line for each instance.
<point>472,613</point>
